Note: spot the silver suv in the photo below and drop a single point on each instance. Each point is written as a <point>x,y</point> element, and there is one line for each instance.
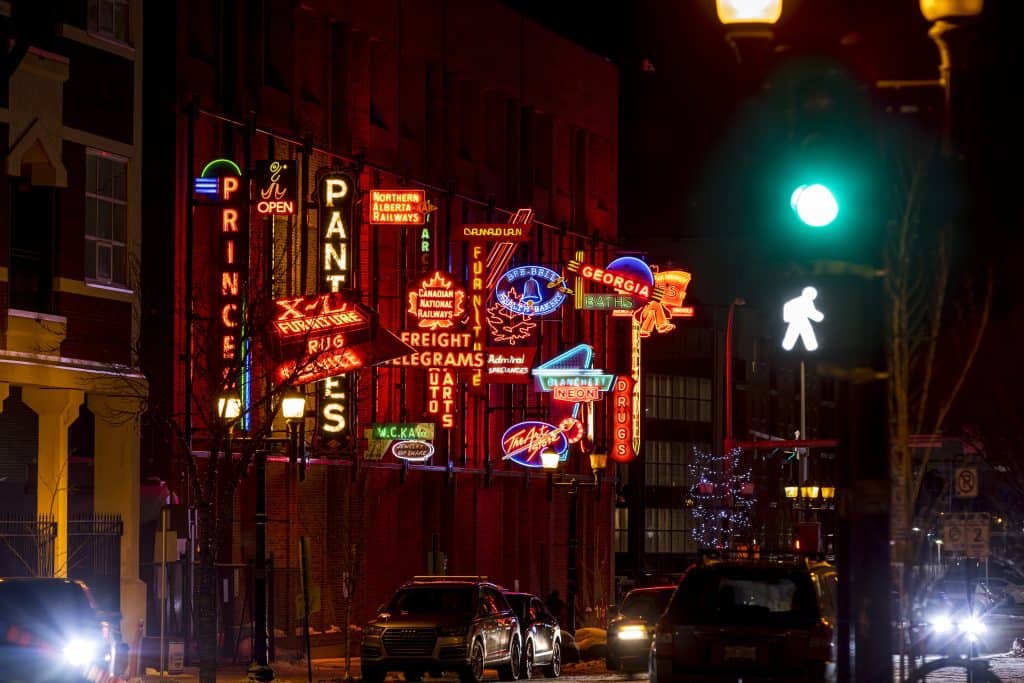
<point>457,624</point>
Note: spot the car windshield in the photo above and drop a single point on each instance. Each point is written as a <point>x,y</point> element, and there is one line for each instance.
<point>44,603</point>
<point>647,605</point>
<point>754,596</point>
<point>420,600</point>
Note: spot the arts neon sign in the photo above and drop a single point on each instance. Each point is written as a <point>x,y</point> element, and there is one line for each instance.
<point>523,442</point>
<point>441,395</point>
<point>436,302</point>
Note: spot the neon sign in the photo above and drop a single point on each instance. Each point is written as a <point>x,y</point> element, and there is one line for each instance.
<point>623,411</point>
<point>571,370</point>
<point>220,182</point>
<point>635,369</point>
<point>504,232</point>
<point>655,315</point>
<point>501,253</point>
<point>436,302</point>
<point>336,198</point>
<point>618,278</point>
<point>275,188</point>
<point>531,290</point>
<point>441,395</point>
<point>523,442</point>
<point>509,366</point>
<point>335,192</point>
<point>507,326</point>
<point>440,349</point>
<point>413,450</point>
<point>476,313</point>
<point>398,207</point>
<point>423,431</point>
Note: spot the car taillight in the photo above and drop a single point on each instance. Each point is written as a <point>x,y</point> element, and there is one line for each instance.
<point>820,643</point>
<point>663,639</point>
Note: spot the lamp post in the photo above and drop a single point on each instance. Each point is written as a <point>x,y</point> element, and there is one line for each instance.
<point>549,461</point>
<point>951,21</point>
<point>729,438</point>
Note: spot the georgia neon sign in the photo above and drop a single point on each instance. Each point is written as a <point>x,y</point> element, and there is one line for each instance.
<point>617,280</point>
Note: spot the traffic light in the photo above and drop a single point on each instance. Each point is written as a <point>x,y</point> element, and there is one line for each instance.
<point>814,204</point>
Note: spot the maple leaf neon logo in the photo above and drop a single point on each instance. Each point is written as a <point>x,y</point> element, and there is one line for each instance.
<point>506,326</point>
<point>436,302</point>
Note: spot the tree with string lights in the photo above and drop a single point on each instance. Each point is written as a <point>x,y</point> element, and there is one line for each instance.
<point>721,497</point>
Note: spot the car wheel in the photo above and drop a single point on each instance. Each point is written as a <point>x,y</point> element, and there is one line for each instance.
<point>372,674</point>
<point>510,671</point>
<point>554,668</point>
<point>526,671</point>
<point>474,672</point>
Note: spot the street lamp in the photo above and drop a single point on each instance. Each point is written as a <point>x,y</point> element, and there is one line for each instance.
<point>229,408</point>
<point>748,20</point>
<point>950,21</point>
<point>293,409</point>
<point>549,461</point>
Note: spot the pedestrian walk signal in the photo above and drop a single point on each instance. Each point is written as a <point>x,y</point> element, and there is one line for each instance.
<point>798,314</point>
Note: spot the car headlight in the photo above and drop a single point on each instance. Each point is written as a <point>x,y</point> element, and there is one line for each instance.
<point>80,652</point>
<point>941,623</point>
<point>973,627</point>
<point>633,632</point>
<point>459,630</point>
<point>372,630</point>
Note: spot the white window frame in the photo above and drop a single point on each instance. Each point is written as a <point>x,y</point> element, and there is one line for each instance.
<point>110,243</point>
<point>96,9</point>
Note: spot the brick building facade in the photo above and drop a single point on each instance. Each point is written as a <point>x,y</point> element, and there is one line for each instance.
<point>484,111</point>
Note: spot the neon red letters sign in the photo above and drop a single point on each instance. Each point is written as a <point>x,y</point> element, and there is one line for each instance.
<point>436,302</point>
<point>622,417</point>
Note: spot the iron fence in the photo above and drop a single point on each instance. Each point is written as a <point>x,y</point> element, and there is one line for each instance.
<point>27,545</point>
<point>94,556</point>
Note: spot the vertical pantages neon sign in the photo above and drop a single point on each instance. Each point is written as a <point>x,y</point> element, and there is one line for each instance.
<point>336,195</point>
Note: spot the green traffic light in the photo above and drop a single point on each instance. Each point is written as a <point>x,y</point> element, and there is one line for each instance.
<point>815,205</point>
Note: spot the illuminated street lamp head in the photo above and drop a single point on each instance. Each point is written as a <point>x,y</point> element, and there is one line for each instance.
<point>549,459</point>
<point>937,10</point>
<point>293,406</point>
<point>815,205</point>
<point>749,11</point>
<point>229,408</point>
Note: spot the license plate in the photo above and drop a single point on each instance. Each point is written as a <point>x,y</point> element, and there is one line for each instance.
<point>735,653</point>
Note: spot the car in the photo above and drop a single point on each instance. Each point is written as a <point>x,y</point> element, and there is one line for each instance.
<point>436,624</point>
<point>51,630</point>
<point>631,627</point>
<point>541,635</point>
<point>945,624</point>
<point>763,619</point>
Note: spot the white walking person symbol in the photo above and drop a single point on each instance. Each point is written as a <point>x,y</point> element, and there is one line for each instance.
<point>799,313</point>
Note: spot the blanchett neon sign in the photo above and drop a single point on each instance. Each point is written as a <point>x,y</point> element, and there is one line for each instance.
<point>436,302</point>
<point>522,443</point>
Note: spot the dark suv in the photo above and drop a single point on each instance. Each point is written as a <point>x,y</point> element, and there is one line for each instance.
<point>457,624</point>
<point>769,620</point>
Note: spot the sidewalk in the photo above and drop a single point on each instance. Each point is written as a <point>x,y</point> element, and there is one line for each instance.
<point>324,671</point>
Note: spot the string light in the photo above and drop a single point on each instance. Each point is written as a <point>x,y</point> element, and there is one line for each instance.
<point>721,504</point>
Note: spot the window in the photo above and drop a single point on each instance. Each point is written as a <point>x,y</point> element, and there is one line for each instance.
<point>109,18</point>
<point>665,530</point>
<point>621,530</point>
<point>665,463</point>
<point>671,397</point>
<point>106,221</point>
<point>33,225</point>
